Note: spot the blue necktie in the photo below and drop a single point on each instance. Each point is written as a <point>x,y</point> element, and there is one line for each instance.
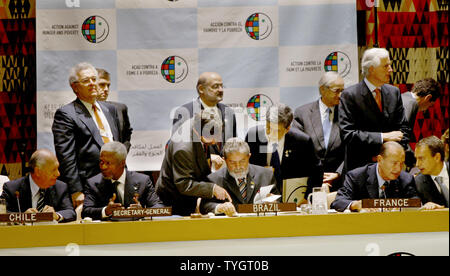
<point>326,124</point>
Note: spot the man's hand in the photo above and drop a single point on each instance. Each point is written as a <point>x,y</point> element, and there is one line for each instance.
<point>136,204</point>
<point>431,206</point>
<point>50,209</point>
<point>221,194</point>
<point>32,211</point>
<point>217,161</point>
<point>227,208</point>
<point>395,136</point>
<point>112,205</point>
<point>77,199</point>
<point>356,206</point>
<point>329,177</point>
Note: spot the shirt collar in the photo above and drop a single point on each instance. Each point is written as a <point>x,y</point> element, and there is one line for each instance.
<point>122,178</point>
<point>33,186</point>
<point>381,181</point>
<point>205,106</point>
<point>443,172</point>
<point>370,85</point>
<point>323,107</point>
<point>88,105</point>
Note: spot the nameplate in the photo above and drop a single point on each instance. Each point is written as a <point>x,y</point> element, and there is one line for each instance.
<point>141,212</point>
<point>26,217</point>
<point>267,208</point>
<point>392,203</point>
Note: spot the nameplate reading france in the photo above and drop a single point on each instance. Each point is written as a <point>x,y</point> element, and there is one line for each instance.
<point>142,212</point>
<point>267,208</point>
<point>26,217</point>
<point>391,203</point>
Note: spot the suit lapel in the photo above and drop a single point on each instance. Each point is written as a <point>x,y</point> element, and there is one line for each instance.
<point>372,182</point>
<point>25,197</point>
<point>334,135</point>
<point>252,188</point>
<point>370,100</point>
<point>85,117</point>
<point>111,121</point>
<point>316,121</point>
<point>129,190</point>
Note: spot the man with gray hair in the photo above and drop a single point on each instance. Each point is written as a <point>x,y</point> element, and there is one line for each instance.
<point>288,151</point>
<point>116,186</point>
<point>40,191</point>
<point>371,112</point>
<point>319,120</point>
<point>239,178</point>
<point>80,129</point>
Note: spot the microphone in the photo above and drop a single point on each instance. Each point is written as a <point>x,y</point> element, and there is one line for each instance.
<point>18,201</point>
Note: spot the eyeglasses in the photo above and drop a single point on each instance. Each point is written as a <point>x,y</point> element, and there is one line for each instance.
<point>87,81</point>
<point>336,90</point>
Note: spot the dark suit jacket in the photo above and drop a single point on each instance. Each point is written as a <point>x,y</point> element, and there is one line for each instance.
<point>298,157</point>
<point>411,109</point>
<point>56,196</point>
<point>257,177</point>
<point>183,176</point>
<point>78,142</point>
<point>362,123</point>
<point>187,111</point>
<point>307,119</point>
<point>362,183</point>
<point>100,190</point>
<point>427,190</point>
<point>125,129</point>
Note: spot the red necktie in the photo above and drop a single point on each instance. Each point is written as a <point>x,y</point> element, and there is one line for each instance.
<point>378,99</point>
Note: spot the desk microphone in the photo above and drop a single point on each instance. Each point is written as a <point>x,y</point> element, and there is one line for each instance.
<point>18,203</point>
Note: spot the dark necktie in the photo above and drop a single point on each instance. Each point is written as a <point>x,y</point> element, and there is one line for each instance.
<point>40,203</point>
<point>378,99</point>
<point>118,196</point>
<point>383,190</point>
<point>444,189</point>
<point>276,165</point>
<point>243,188</point>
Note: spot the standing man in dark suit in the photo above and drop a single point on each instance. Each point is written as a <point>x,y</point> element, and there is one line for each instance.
<point>371,112</point>
<point>80,128</point>
<point>384,179</point>
<point>187,163</point>
<point>240,179</point>
<point>423,96</point>
<point>432,182</point>
<point>116,186</point>
<point>40,191</point>
<point>125,130</point>
<point>289,151</point>
<point>210,94</point>
<point>319,120</point>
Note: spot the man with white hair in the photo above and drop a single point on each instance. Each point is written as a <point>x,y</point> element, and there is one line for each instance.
<point>116,186</point>
<point>239,178</point>
<point>80,129</point>
<point>371,112</point>
<point>319,120</point>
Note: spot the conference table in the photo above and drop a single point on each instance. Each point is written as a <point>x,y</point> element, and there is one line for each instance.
<point>182,229</point>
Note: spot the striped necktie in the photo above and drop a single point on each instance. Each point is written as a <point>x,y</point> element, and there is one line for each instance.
<point>40,203</point>
<point>243,188</point>
<point>383,190</point>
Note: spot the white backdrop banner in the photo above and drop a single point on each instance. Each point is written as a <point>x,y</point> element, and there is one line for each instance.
<point>267,51</point>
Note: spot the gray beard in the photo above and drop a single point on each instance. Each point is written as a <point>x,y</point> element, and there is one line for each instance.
<point>240,175</point>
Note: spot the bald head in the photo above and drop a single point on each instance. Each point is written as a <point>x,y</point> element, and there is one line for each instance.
<point>44,168</point>
<point>41,157</point>
<point>210,88</point>
<point>391,160</point>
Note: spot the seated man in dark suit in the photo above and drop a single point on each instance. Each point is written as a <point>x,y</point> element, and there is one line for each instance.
<point>432,182</point>
<point>116,186</point>
<point>371,112</point>
<point>210,94</point>
<point>40,191</point>
<point>241,179</point>
<point>384,179</point>
<point>187,164</point>
<point>80,129</point>
<point>319,120</point>
<point>289,151</point>
<point>125,129</point>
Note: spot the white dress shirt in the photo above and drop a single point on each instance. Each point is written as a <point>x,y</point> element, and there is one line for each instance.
<point>280,149</point>
<point>444,175</point>
<point>107,132</point>
<point>35,196</point>
<point>323,112</point>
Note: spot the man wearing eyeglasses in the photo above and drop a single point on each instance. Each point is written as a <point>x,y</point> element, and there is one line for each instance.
<point>80,129</point>
<point>319,120</point>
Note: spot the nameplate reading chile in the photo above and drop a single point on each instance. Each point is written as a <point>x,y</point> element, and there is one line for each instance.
<point>267,208</point>
<point>26,217</point>
<point>142,212</point>
<point>391,203</point>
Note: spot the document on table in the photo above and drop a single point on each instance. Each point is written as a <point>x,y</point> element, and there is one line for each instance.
<point>262,197</point>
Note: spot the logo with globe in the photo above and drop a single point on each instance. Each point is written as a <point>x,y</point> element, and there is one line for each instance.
<point>95,29</point>
<point>338,62</point>
<point>174,69</point>
<point>257,107</point>
<point>258,26</point>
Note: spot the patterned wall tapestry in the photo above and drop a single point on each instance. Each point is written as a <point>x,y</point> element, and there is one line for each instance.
<point>17,85</point>
<point>416,34</point>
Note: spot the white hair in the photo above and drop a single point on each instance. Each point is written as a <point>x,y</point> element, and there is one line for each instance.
<point>372,57</point>
<point>235,145</point>
<point>116,147</point>
<point>328,78</point>
<point>73,75</point>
